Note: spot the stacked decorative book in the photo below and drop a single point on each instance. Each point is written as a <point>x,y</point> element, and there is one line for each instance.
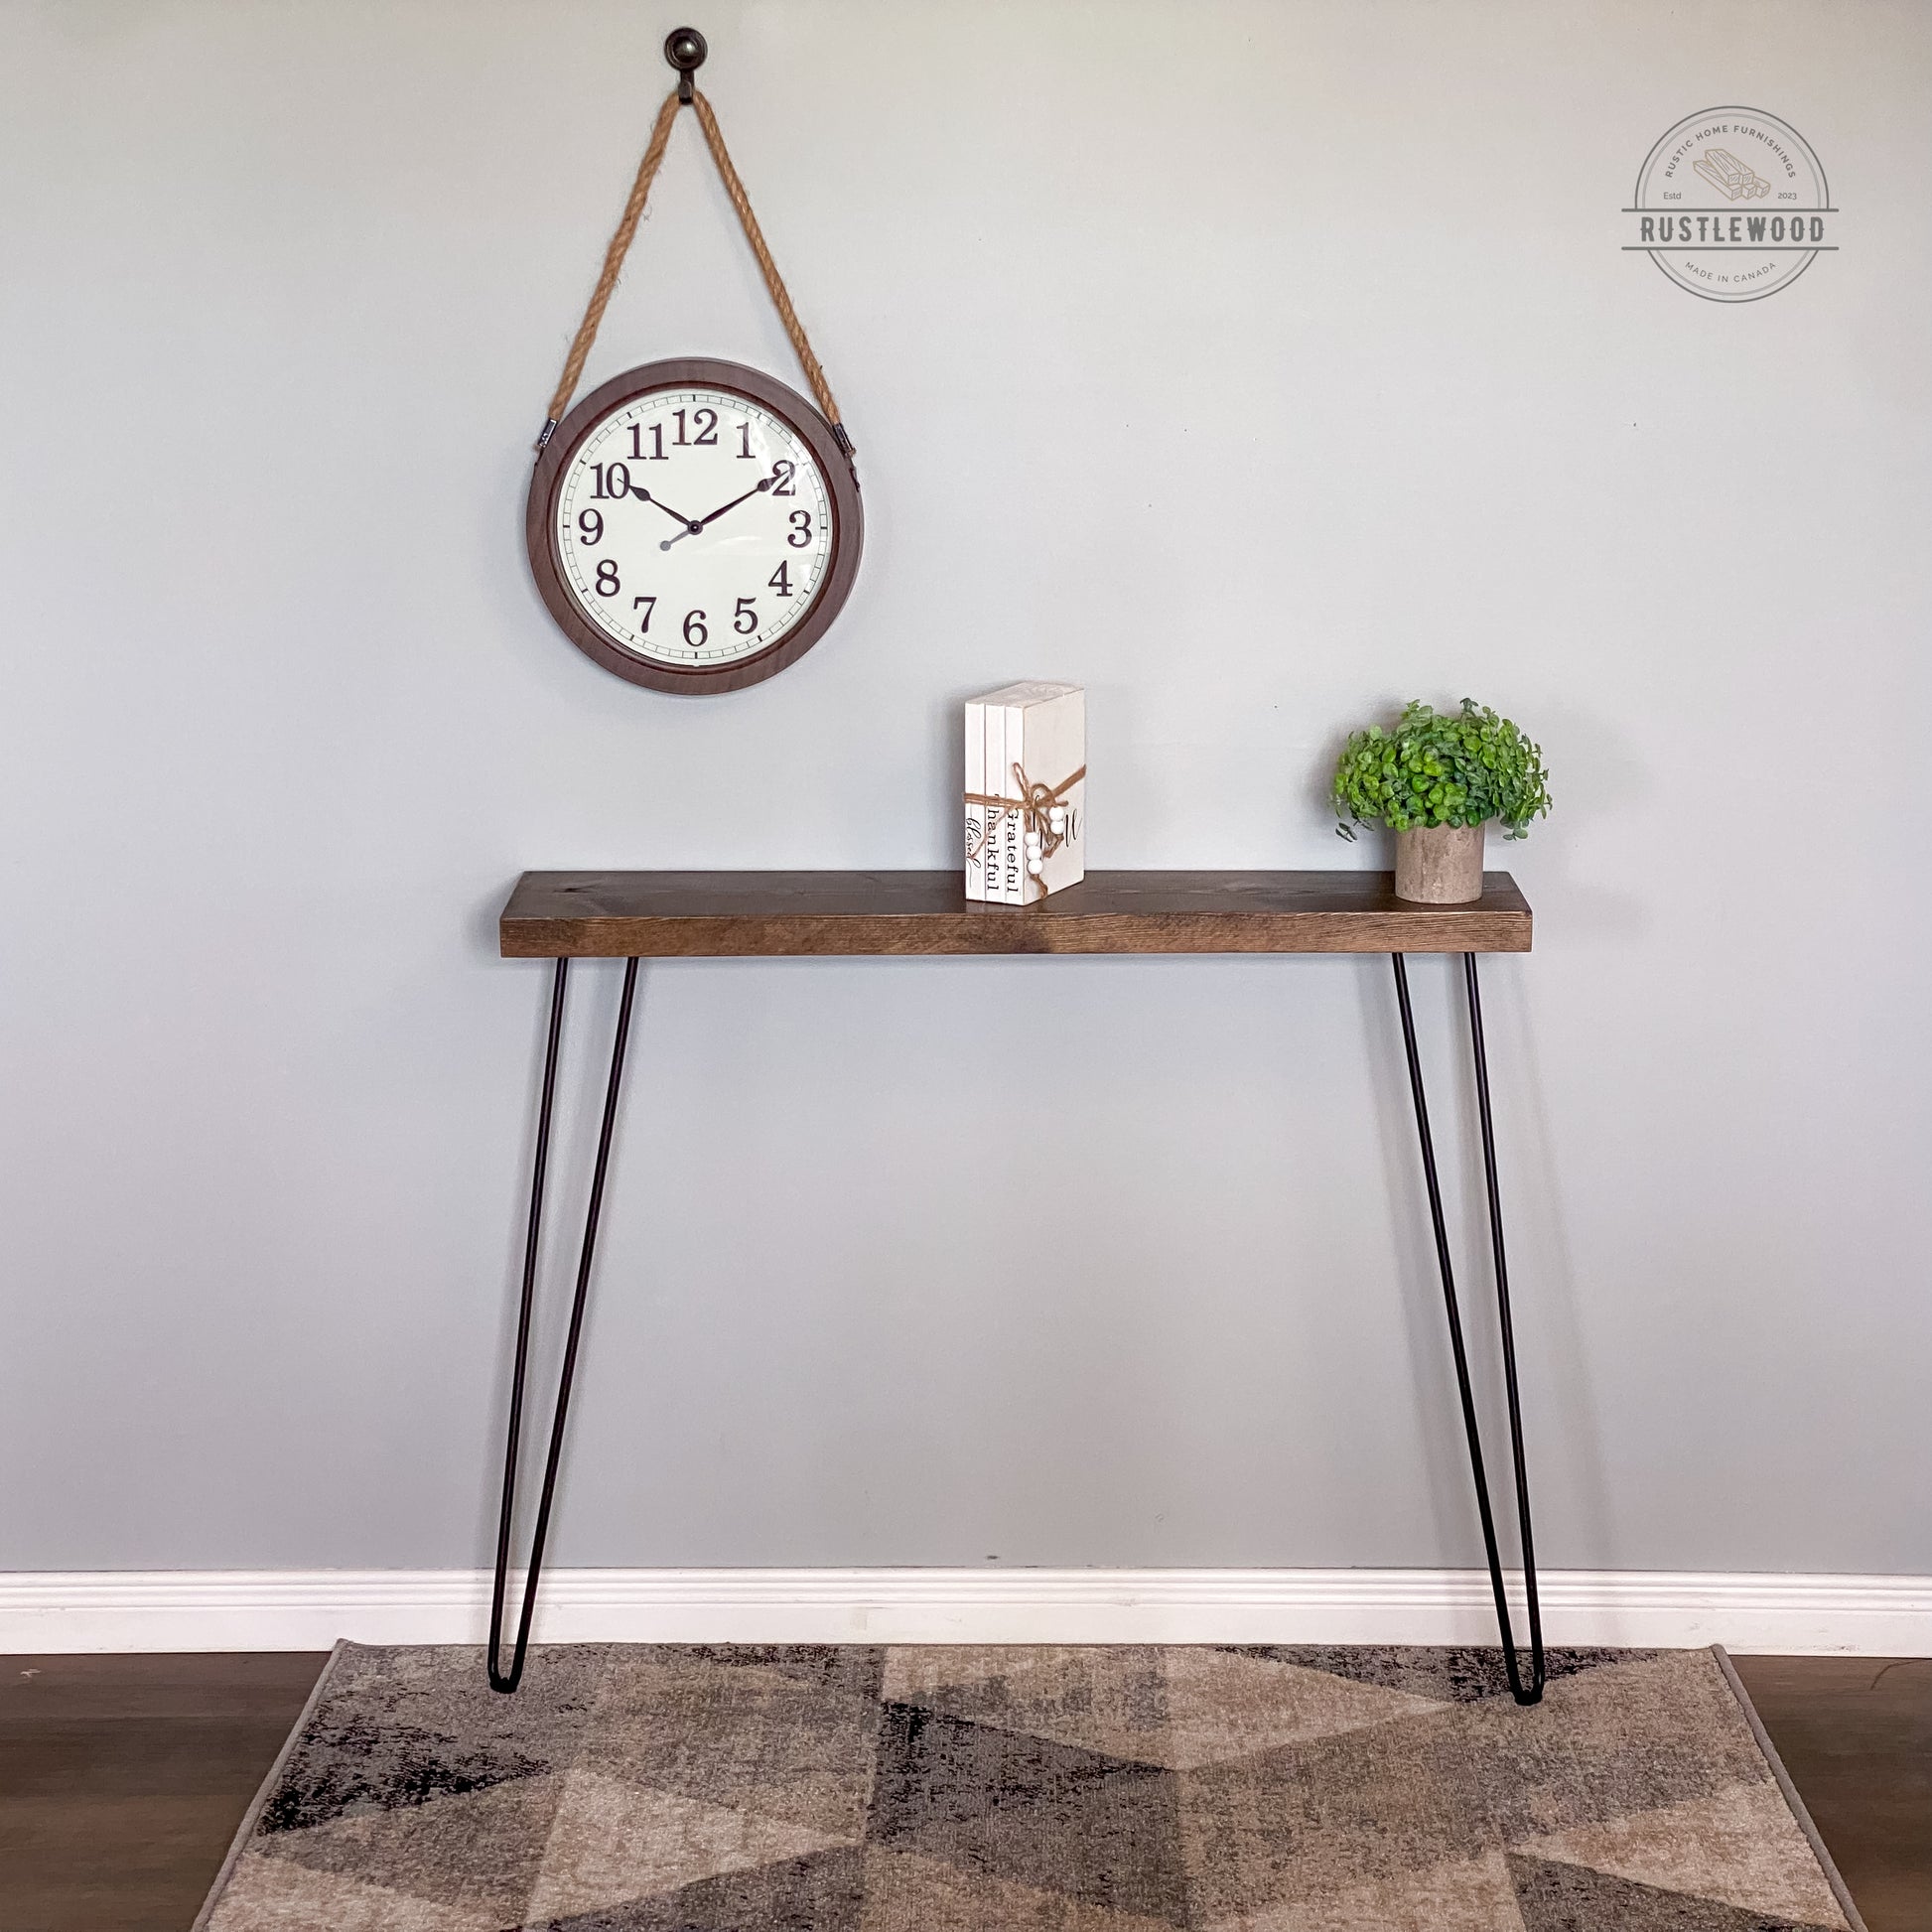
<point>1026,792</point>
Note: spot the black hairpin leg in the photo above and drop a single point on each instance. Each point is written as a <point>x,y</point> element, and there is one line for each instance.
<point>1532,1691</point>
<point>499,1679</point>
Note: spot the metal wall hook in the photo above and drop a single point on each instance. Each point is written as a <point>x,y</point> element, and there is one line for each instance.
<point>685,50</point>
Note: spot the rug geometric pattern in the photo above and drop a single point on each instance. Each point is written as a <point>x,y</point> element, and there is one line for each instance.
<point>820,1788</point>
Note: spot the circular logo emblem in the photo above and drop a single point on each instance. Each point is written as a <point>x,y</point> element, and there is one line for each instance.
<point>1731,205</point>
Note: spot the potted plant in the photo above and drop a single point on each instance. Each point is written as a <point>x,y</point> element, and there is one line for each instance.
<point>1436,780</point>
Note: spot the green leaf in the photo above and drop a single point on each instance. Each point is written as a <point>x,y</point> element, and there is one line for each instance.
<point>1434,769</point>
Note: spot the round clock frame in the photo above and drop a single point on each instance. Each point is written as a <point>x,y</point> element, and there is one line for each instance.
<point>797,415</point>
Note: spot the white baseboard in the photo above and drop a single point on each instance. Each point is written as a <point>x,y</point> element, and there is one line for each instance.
<point>308,1610</point>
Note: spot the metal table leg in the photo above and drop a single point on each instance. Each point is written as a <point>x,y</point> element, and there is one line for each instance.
<point>1532,1691</point>
<point>499,1679</point>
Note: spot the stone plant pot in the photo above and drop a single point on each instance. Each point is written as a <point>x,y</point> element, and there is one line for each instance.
<point>1440,865</point>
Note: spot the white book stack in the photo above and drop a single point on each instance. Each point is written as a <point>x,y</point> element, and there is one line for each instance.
<point>979,814</point>
<point>1026,792</point>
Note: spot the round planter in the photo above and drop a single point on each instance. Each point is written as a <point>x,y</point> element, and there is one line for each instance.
<point>1438,865</point>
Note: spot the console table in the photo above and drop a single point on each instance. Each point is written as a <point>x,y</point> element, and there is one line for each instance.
<point>633,915</point>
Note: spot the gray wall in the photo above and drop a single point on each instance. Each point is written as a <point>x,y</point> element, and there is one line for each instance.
<point>1254,365</point>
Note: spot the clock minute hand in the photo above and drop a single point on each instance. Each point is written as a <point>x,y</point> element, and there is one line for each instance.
<point>692,529</point>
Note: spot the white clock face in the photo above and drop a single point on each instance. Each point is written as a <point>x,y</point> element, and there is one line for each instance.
<point>693,527</point>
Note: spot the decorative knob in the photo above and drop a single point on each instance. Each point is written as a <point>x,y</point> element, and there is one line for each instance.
<point>685,49</point>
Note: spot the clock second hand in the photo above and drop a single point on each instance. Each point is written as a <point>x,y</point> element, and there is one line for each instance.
<point>657,503</point>
<point>692,529</point>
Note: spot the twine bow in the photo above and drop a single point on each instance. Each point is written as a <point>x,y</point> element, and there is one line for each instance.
<point>1038,802</point>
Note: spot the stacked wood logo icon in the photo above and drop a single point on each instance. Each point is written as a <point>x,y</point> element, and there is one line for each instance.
<point>1731,205</point>
<point>1730,177</point>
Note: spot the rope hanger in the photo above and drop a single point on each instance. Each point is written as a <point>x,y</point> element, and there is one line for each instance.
<point>685,50</point>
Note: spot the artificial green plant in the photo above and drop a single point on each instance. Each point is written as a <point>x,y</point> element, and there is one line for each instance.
<point>1438,767</point>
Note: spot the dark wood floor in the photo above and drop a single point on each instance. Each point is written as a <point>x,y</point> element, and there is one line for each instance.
<point>1856,1735</point>
<point>122,1778</point>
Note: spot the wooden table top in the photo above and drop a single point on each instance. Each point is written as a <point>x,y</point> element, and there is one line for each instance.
<point>739,914</point>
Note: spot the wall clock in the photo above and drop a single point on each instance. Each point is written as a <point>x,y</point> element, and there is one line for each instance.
<point>694,525</point>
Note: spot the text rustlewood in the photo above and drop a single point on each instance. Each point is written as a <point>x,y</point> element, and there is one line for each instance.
<point>1742,231</point>
<point>1731,204</point>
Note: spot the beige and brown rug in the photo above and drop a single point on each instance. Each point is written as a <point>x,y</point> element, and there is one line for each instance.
<point>675,1788</point>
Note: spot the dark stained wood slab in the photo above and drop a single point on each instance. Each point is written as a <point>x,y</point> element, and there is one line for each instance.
<point>741,914</point>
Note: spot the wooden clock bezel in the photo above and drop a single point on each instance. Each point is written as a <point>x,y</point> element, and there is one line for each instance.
<point>798,415</point>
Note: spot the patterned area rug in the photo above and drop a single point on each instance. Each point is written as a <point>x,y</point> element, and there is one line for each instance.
<point>676,1788</point>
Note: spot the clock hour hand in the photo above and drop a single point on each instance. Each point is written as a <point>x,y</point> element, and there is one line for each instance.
<point>644,496</point>
<point>692,529</point>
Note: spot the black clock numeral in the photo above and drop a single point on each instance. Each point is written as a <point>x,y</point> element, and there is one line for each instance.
<point>802,529</point>
<point>681,437</point>
<point>745,441</point>
<point>694,634</point>
<point>611,480</point>
<point>656,451</point>
<point>649,604</point>
<point>782,478</point>
<point>589,524</point>
<point>607,578</point>
<point>781,580</point>
<point>707,437</point>
<point>745,619</point>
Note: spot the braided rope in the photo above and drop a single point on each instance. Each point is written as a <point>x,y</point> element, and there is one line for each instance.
<point>613,258</point>
<point>749,221</point>
<point>606,282</point>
